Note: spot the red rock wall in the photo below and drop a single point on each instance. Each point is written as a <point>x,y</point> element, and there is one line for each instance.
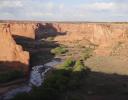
<point>95,33</point>
<point>22,29</point>
<point>11,54</point>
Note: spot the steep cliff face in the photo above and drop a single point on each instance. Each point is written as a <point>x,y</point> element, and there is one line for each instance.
<point>11,54</point>
<point>95,33</point>
<point>22,29</point>
<point>106,36</point>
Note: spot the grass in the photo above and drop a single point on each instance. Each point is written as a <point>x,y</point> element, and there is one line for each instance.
<point>50,38</point>
<point>68,63</point>
<point>79,66</point>
<point>59,50</point>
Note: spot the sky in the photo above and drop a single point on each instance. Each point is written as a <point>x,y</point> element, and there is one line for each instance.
<point>64,10</point>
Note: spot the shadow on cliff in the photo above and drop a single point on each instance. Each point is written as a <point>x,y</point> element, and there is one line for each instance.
<point>63,84</point>
<point>47,30</point>
<point>25,42</point>
<point>40,51</point>
<point>9,65</point>
<point>40,48</point>
<point>12,72</point>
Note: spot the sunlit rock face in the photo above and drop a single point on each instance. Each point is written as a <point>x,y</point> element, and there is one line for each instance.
<point>94,32</point>
<point>11,54</point>
<point>26,30</point>
<point>105,35</point>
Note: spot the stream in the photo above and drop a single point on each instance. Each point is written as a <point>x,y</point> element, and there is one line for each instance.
<point>37,75</point>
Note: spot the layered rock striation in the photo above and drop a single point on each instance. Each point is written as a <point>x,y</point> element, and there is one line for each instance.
<point>26,30</point>
<point>12,55</point>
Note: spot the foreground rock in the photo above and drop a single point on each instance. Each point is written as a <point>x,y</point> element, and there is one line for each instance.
<point>11,55</point>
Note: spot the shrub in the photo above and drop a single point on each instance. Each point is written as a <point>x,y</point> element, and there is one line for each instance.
<point>10,76</point>
<point>59,50</point>
<point>50,38</point>
<point>68,63</point>
<point>79,66</point>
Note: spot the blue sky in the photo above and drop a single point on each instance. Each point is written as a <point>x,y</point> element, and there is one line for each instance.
<point>64,10</point>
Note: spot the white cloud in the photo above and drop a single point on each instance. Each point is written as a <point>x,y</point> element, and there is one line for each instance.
<point>51,10</point>
<point>39,14</point>
<point>11,3</point>
<point>103,6</point>
<point>98,6</point>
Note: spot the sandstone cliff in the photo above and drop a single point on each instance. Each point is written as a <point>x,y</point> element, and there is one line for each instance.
<point>11,54</point>
<point>105,35</point>
<point>22,29</point>
<point>95,33</point>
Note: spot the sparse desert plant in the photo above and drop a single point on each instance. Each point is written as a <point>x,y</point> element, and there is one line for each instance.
<point>68,63</point>
<point>87,53</point>
<point>50,38</point>
<point>79,66</point>
<point>59,50</point>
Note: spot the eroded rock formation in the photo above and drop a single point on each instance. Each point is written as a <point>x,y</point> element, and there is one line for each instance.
<point>95,33</point>
<point>26,30</point>
<point>11,54</point>
<point>105,35</point>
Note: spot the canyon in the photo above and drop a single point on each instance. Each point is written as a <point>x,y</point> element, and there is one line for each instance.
<point>27,46</point>
<point>12,56</point>
<point>104,36</point>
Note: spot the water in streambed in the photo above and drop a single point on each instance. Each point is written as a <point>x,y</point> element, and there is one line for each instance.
<point>37,76</point>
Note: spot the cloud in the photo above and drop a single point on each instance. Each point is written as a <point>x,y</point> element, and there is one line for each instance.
<point>10,3</point>
<point>82,10</point>
<point>102,6</point>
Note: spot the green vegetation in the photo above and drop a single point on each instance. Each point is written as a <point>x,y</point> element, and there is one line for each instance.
<point>58,83</point>
<point>87,53</point>
<point>68,63</point>
<point>10,76</point>
<point>79,66</point>
<point>59,50</point>
<point>50,38</point>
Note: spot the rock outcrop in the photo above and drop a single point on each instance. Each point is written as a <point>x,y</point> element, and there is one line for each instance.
<point>26,30</point>
<point>105,35</point>
<point>93,32</point>
<point>12,55</point>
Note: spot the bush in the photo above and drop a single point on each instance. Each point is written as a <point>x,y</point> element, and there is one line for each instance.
<point>50,38</point>
<point>57,82</point>
<point>59,50</point>
<point>79,66</point>
<point>67,64</point>
<point>10,76</point>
